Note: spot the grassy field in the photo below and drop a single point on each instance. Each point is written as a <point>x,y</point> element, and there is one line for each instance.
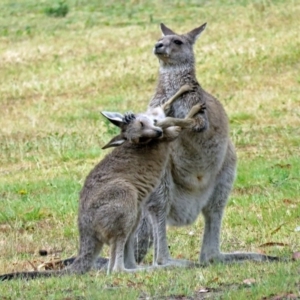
<point>57,73</point>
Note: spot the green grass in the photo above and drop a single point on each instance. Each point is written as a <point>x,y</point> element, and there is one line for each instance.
<point>58,73</point>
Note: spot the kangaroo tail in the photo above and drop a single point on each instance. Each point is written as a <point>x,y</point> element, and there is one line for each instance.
<point>33,275</point>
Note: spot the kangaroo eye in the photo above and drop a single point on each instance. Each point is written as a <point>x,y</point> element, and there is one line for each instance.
<point>178,42</point>
<point>142,124</point>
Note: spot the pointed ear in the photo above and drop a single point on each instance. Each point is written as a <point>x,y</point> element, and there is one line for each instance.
<point>195,33</point>
<point>113,117</point>
<point>165,30</point>
<point>115,142</point>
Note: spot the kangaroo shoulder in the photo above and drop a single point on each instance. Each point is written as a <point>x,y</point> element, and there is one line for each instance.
<point>216,113</point>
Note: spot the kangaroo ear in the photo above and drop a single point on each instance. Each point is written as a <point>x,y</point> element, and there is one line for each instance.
<point>165,30</point>
<point>115,142</point>
<point>114,117</point>
<point>195,33</point>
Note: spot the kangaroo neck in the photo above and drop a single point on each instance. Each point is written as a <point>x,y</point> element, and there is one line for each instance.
<point>174,76</point>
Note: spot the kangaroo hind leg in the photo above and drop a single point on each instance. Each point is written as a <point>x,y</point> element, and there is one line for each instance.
<point>90,248</point>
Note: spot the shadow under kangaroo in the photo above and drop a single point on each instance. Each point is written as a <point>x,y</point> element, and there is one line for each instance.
<point>116,190</point>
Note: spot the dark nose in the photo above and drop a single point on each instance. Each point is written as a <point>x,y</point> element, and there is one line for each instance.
<point>158,45</point>
<point>159,133</point>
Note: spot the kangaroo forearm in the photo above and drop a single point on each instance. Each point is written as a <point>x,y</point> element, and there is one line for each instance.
<point>198,113</point>
<point>198,108</point>
<point>185,88</point>
<point>169,121</point>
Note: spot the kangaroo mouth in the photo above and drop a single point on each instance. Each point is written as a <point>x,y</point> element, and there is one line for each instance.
<point>160,52</point>
<point>144,140</point>
<point>163,55</point>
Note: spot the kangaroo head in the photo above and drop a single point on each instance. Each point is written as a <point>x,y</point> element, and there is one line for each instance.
<point>175,49</point>
<point>137,129</point>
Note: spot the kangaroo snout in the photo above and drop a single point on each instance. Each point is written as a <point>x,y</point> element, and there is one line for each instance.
<point>159,48</point>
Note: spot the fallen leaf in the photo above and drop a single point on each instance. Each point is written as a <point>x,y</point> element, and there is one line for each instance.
<point>33,266</point>
<point>273,244</point>
<point>131,283</point>
<point>214,280</point>
<point>5,228</point>
<point>249,281</point>
<point>116,282</point>
<point>283,166</point>
<point>54,264</point>
<point>290,203</point>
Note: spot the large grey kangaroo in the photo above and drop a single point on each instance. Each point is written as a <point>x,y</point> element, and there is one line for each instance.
<point>114,192</point>
<point>202,163</point>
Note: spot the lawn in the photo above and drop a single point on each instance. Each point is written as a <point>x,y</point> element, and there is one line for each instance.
<point>58,72</point>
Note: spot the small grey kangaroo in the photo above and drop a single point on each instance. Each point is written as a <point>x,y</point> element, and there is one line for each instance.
<point>202,163</point>
<point>114,192</point>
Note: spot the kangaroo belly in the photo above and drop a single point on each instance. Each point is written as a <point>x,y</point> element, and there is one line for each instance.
<point>185,206</point>
<point>193,174</point>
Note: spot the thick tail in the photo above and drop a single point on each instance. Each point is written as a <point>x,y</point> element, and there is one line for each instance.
<point>32,275</point>
<point>242,256</point>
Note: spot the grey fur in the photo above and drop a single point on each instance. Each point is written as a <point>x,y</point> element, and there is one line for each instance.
<point>114,192</point>
<point>202,163</point>
<point>201,168</point>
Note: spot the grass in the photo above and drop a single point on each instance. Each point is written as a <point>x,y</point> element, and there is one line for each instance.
<point>58,73</point>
